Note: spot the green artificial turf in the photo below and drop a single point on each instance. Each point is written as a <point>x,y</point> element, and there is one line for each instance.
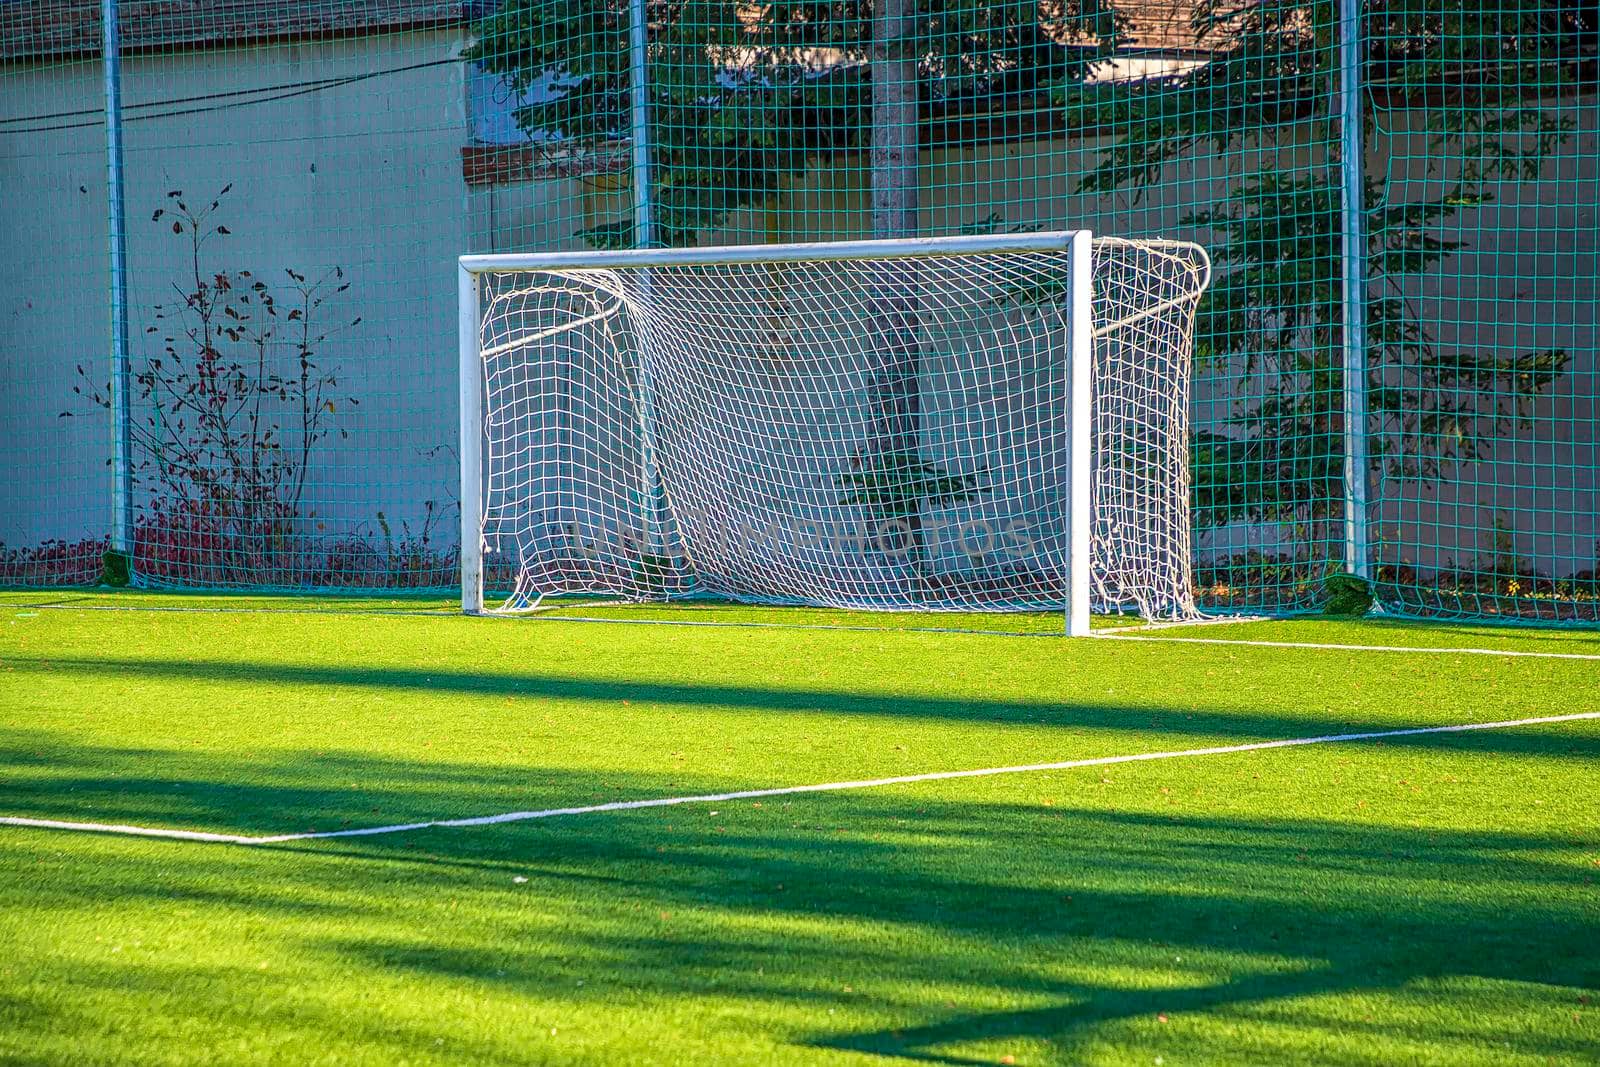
<point>1433,898</point>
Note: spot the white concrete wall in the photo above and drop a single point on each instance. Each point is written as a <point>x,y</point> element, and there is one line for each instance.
<point>53,311</point>
<point>365,176</point>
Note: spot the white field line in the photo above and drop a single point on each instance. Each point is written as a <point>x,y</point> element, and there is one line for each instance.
<point>790,790</point>
<point>1118,635</point>
<point>1172,624</point>
<point>547,613</point>
<point>544,613</point>
<point>223,609</point>
<point>753,625</point>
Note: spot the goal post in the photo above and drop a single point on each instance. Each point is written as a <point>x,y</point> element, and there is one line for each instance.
<point>1078,370</point>
<point>971,423</point>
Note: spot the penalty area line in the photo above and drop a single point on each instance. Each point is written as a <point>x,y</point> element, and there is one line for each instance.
<point>779,791</point>
<point>1126,635</point>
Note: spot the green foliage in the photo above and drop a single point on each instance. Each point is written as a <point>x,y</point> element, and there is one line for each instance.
<point>653,574</point>
<point>894,485</point>
<point>1347,595</point>
<point>116,568</point>
<point>1273,318</point>
<point>744,97</point>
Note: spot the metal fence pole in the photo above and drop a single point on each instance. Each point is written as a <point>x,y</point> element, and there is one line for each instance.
<point>644,236</point>
<point>122,440</point>
<point>1354,263</point>
<point>639,98</point>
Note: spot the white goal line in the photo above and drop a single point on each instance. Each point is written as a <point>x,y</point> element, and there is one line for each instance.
<point>790,790</point>
<point>1127,634</point>
<point>1148,631</point>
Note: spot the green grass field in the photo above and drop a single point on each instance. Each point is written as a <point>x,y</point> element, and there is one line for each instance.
<point>1430,898</point>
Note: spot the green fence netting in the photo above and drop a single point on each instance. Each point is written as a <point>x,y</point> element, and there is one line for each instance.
<point>298,178</point>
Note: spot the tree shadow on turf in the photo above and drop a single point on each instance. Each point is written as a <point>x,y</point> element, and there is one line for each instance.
<point>1214,723</point>
<point>48,775</point>
<point>972,923</point>
<point>958,926</point>
<point>931,895</point>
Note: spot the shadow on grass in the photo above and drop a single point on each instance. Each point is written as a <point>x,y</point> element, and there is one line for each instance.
<point>1178,721</point>
<point>900,900</point>
<point>48,774</point>
<point>955,925</point>
<point>884,924</point>
<point>43,775</point>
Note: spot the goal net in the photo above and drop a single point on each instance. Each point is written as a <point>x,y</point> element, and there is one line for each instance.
<point>959,424</point>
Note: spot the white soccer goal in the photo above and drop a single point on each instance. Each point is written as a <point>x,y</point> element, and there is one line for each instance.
<point>994,423</point>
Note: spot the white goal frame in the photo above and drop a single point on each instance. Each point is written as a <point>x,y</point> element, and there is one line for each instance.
<point>1077,245</point>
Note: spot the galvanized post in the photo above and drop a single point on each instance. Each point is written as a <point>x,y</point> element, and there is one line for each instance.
<point>639,96</point>
<point>1354,258</point>
<point>122,426</point>
<point>644,236</point>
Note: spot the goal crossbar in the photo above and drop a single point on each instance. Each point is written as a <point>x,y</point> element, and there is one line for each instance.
<point>798,252</point>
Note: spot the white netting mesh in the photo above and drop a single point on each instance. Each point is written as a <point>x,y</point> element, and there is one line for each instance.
<point>884,434</point>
